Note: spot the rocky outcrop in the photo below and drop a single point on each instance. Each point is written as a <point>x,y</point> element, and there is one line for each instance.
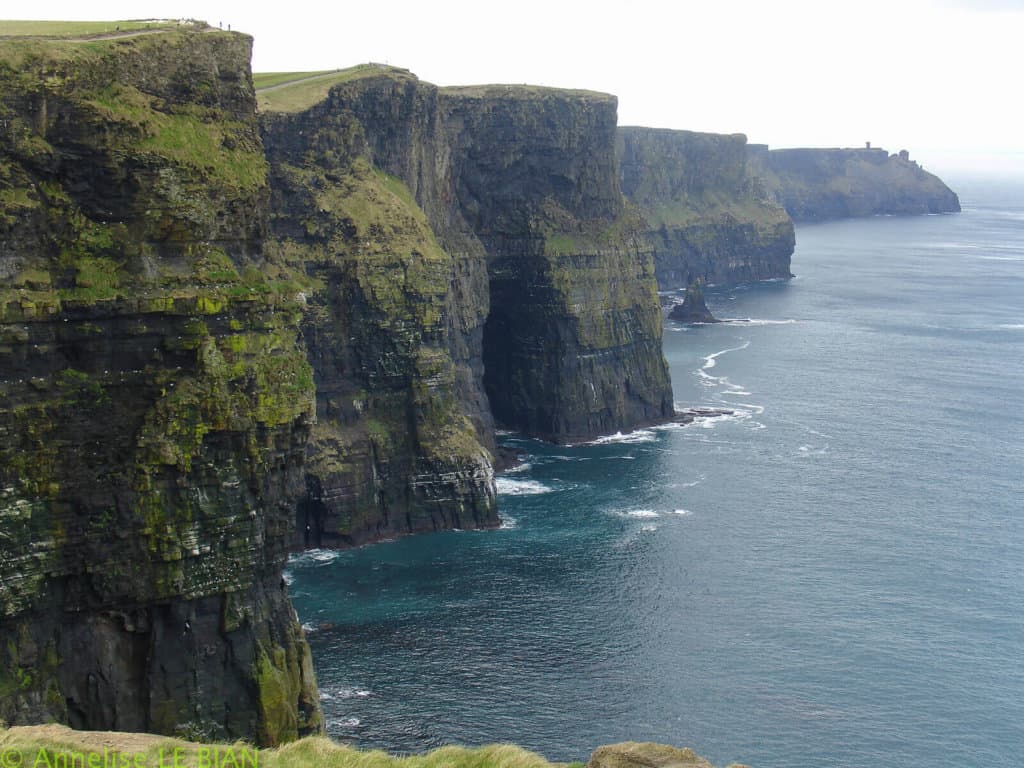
<point>633,754</point>
<point>707,216</point>
<point>155,398</point>
<point>819,184</point>
<point>692,309</point>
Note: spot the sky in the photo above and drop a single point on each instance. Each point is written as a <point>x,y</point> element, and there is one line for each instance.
<point>939,78</point>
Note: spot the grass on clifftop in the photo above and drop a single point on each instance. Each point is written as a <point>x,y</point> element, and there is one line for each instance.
<point>148,750</point>
<point>83,28</point>
<point>297,91</point>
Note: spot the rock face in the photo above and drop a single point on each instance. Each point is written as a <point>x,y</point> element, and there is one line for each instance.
<point>572,345</point>
<point>404,436</point>
<point>519,186</point>
<point>819,184</point>
<point>692,309</point>
<point>707,216</point>
<point>155,399</point>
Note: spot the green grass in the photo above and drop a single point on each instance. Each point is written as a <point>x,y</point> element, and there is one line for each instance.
<point>297,91</point>
<point>269,79</point>
<point>79,28</point>
<point>312,752</point>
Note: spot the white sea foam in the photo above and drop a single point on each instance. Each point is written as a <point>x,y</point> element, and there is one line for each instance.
<point>691,484</point>
<point>813,450</point>
<point>1011,326</point>
<point>639,436</point>
<point>288,578</point>
<point>750,321</point>
<point>512,487</point>
<point>681,512</point>
<point>518,468</point>
<point>323,555</point>
<point>308,628</point>
<point>347,692</point>
<point>311,556</point>
<point>345,722</point>
<point>648,527</point>
<point>738,415</point>
<point>507,522</point>
<point>640,514</point>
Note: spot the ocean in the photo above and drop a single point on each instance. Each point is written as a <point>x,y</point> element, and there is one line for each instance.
<point>831,575</point>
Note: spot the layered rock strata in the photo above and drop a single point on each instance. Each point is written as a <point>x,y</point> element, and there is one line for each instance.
<point>403,441</point>
<point>155,398</point>
<point>819,184</point>
<point>707,215</point>
<point>526,178</point>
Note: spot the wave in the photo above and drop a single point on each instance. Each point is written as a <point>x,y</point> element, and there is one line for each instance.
<point>637,436</point>
<point>344,722</point>
<point>314,556</point>
<point>518,468</point>
<point>1011,326</point>
<point>681,512</point>
<point>639,514</point>
<point>738,415</point>
<point>810,450</point>
<point>344,692</point>
<point>750,321</point>
<point>511,487</point>
<point>507,522</point>
<point>692,484</point>
<point>712,360</point>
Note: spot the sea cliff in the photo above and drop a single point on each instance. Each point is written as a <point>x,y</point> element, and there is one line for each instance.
<point>404,438</point>
<point>224,339</point>
<point>707,215</point>
<point>553,314</point>
<point>819,184</point>
<point>155,396</point>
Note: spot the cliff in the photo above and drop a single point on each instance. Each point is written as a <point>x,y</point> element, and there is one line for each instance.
<point>553,317</point>
<point>819,184</point>
<point>155,397</point>
<point>404,435</point>
<point>707,216</point>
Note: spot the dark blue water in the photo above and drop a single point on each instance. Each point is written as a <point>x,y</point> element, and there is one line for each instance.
<point>831,576</point>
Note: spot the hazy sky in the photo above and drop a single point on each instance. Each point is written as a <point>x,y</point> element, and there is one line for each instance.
<point>940,78</point>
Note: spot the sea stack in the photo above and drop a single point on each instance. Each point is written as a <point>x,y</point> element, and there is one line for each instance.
<point>693,309</point>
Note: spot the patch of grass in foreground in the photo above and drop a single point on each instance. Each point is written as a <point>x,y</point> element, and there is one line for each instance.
<point>79,28</point>
<point>310,752</point>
